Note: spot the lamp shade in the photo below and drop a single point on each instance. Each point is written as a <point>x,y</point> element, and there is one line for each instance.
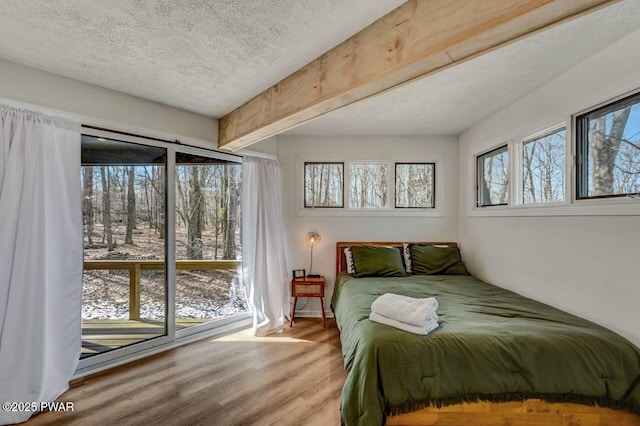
<point>312,239</point>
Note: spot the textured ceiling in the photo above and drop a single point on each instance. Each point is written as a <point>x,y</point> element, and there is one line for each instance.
<point>451,101</point>
<point>205,56</point>
<point>210,56</point>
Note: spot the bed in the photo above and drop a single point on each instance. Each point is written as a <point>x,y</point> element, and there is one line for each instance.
<point>497,356</point>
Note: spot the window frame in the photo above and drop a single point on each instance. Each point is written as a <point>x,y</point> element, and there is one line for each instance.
<point>440,178</point>
<point>518,162</point>
<point>172,337</point>
<point>348,180</point>
<point>504,147</point>
<point>304,185</point>
<point>581,130</point>
<point>433,183</point>
<point>618,205</point>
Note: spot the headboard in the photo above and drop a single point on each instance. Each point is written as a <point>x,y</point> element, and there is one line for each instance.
<point>341,262</point>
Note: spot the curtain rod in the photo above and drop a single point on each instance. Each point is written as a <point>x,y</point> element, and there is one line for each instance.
<point>175,142</point>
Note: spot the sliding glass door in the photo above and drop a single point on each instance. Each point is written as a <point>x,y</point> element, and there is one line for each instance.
<point>208,248</point>
<point>162,246</point>
<point>124,284</point>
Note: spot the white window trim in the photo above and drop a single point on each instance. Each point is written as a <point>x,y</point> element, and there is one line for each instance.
<point>518,152</point>
<point>619,206</point>
<point>347,179</point>
<point>624,207</point>
<point>346,211</point>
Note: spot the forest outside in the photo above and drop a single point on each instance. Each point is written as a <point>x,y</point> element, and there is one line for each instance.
<point>611,145</point>
<point>607,160</point>
<point>368,185</point>
<point>124,221</point>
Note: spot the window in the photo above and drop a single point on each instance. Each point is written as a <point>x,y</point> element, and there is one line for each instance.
<point>208,250</point>
<point>323,185</point>
<point>493,177</point>
<point>608,146</point>
<point>124,210</point>
<point>359,187</point>
<point>415,185</point>
<point>368,185</point>
<point>543,168</point>
<point>135,296</point>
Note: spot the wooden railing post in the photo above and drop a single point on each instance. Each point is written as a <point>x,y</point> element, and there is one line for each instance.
<point>136,266</point>
<point>134,291</point>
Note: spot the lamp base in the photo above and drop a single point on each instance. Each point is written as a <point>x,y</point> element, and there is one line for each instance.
<point>313,276</point>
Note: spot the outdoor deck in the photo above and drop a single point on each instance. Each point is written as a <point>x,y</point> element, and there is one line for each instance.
<point>104,335</point>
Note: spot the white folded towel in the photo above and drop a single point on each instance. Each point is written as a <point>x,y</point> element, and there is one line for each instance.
<point>425,329</point>
<point>406,309</point>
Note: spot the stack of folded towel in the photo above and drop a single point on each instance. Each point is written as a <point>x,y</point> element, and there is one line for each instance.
<point>406,313</point>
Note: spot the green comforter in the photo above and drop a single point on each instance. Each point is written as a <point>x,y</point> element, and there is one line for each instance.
<point>492,345</point>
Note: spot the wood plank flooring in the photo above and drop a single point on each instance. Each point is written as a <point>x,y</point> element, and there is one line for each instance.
<point>291,378</point>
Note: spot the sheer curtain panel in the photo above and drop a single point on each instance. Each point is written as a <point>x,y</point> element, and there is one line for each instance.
<point>263,253</point>
<point>40,257</point>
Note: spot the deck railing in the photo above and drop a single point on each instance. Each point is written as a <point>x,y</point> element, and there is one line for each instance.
<point>135,268</point>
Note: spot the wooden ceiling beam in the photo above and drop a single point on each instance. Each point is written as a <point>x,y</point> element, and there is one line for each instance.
<point>418,38</point>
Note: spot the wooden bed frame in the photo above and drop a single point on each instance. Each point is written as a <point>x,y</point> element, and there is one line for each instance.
<point>530,412</point>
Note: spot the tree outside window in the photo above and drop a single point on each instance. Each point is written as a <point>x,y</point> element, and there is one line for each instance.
<point>543,168</point>
<point>323,185</point>
<point>368,185</point>
<point>608,141</point>
<point>415,185</point>
<point>493,177</point>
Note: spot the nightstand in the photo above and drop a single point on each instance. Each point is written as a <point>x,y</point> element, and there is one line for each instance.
<point>307,287</point>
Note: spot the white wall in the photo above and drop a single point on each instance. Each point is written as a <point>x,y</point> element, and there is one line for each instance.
<point>103,107</point>
<point>294,149</point>
<point>268,146</point>
<point>587,265</point>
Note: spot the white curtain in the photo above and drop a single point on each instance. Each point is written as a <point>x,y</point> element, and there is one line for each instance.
<point>263,252</point>
<point>40,257</point>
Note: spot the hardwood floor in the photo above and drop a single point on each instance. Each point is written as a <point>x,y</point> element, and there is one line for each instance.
<point>291,378</point>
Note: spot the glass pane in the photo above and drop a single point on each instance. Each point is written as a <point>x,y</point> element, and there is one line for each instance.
<point>415,185</point>
<point>208,245</point>
<point>543,165</point>
<point>613,150</point>
<point>494,180</point>
<point>368,186</point>
<point>124,282</point>
<point>323,185</point>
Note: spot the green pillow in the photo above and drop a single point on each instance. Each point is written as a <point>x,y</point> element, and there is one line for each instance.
<point>429,260</point>
<point>377,261</point>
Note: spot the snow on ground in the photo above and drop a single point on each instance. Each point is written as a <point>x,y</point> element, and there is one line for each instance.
<point>199,294</point>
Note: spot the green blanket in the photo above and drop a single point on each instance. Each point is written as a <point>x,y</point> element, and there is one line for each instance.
<point>492,345</point>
